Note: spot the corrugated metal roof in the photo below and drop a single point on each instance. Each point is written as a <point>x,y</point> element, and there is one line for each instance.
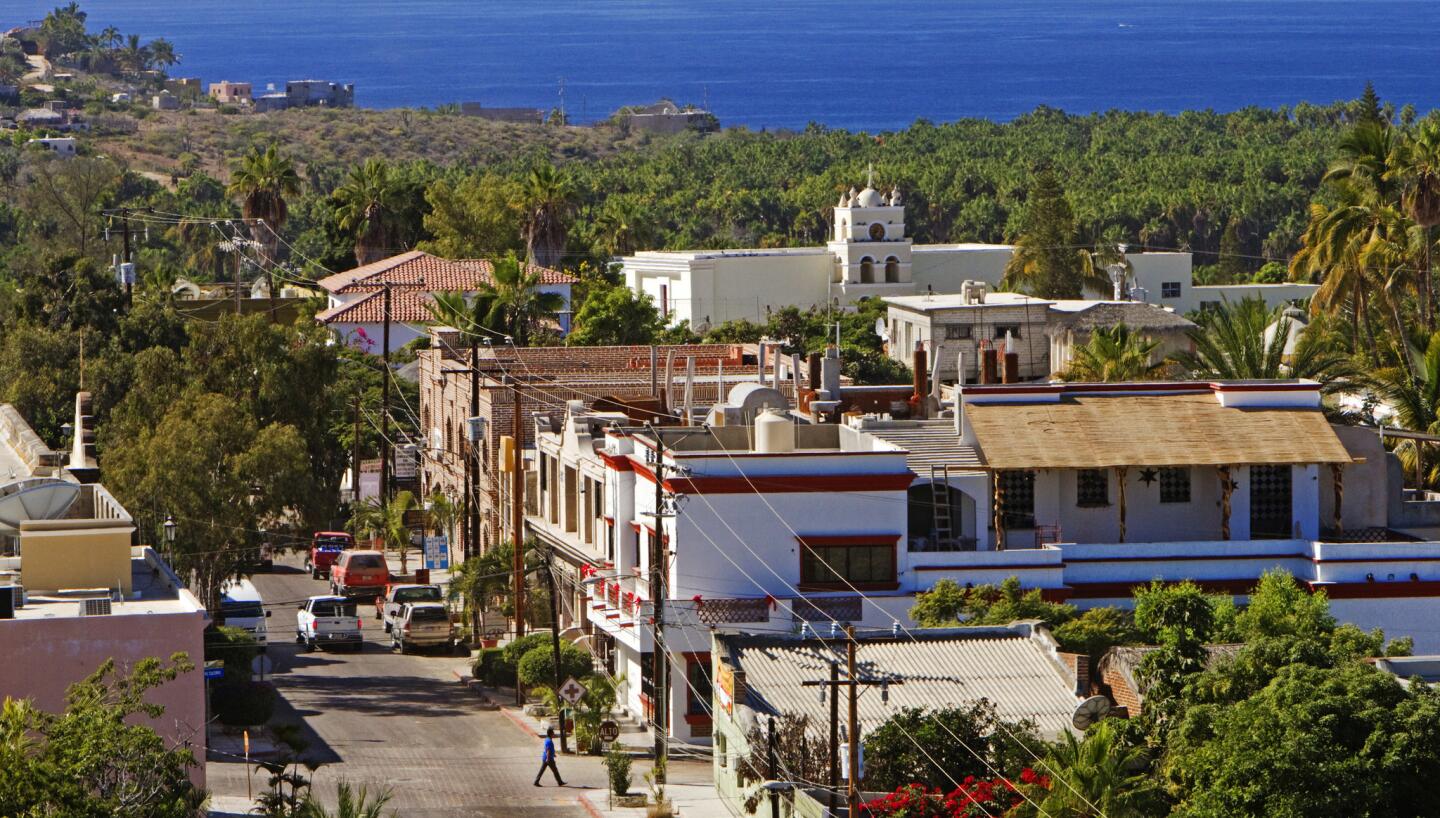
<point>945,668</point>
<point>929,443</point>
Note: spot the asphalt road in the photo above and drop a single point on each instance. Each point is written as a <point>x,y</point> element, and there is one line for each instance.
<point>403,722</point>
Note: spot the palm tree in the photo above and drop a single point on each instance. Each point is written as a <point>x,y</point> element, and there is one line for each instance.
<point>349,803</point>
<point>1327,255</point>
<point>549,198</point>
<point>443,514</point>
<point>366,208</point>
<point>1415,399</point>
<point>160,53</point>
<point>1230,345</point>
<point>1115,355</point>
<point>1099,777</point>
<point>510,304</point>
<point>261,180</point>
<point>1364,157</point>
<point>109,37</point>
<point>481,581</point>
<point>385,521</point>
<point>1415,166</point>
<point>132,55</point>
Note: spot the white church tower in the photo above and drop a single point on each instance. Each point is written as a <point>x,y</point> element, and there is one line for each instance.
<point>870,246</point>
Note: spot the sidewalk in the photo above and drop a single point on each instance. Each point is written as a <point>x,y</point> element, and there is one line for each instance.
<point>690,788</point>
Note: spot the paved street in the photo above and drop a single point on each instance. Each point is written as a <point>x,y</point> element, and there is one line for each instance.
<point>404,722</point>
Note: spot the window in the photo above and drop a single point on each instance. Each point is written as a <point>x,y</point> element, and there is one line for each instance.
<point>699,691</point>
<point>722,752</point>
<point>1092,488</point>
<point>1017,498</point>
<point>1174,485</point>
<point>957,332</point>
<point>1001,330</point>
<point>892,270</point>
<point>1169,289</point>
<point>877,231</point>
<point>867,270</point>
<point>845,565</point>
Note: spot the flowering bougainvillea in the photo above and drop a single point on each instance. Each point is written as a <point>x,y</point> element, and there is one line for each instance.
<point>974,798</point>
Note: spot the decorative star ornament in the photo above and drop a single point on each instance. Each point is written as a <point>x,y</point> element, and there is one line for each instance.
<point>1148,476</point>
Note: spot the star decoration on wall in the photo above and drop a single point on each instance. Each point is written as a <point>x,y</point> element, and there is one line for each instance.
<point>1148,476</point>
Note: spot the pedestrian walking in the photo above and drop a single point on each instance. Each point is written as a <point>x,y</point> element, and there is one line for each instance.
<point>547,758</point>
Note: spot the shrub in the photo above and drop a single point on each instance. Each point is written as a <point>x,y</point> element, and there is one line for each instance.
<point>242,704</point>
<point>519,647</point>
<point>537,668</point>
<point>617,767</point>
<point>236,647</point>
<point>492,668</point>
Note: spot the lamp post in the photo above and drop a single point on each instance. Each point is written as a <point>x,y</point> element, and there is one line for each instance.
<point>170,527</point>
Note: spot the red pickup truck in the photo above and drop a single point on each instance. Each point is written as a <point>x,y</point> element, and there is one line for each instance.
<point>325,549</point>
<point>359,573</point>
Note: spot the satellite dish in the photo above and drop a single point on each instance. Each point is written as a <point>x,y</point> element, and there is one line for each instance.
<point>881,330</point>
<point>39,498</point>
<point>1090,711</point>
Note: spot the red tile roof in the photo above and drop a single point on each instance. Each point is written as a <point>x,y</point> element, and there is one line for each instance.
<point>406,307</point>
<point>420,270</point>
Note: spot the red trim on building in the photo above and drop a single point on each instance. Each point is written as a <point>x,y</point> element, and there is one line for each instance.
<point>1186,558</point>
<point>822,540</point>
<point>796,483</point>
<point>1378,590</point>
<point>618,462</point>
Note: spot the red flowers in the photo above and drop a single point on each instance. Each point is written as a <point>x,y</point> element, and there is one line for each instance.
<point>974,798</point>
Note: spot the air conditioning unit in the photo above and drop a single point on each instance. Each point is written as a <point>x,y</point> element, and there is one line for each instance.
<point>99,606</point>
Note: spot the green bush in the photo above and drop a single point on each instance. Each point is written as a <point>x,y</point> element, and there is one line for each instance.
<point>492,668</point>
<point>537,668</point>
<point>519,647</point>
<point>617,767</point>
<point>242,704</point>
<point>236,647</point>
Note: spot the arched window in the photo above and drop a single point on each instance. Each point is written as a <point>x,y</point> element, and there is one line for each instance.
<point>892,270</point>
<point>867,270</point>
<point>843,231</point>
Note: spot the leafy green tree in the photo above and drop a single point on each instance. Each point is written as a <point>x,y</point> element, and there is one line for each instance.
<point>97,757</point>
<point>946,604</point>
<point>549,197</point>
<point>474,216</point>
<point>941,747</point>
<point>62,31</point>
<point>537,667</point>
<point>615,315</point>
<point>1097,630</point>
<point>1181,620</point>
<point>63,200</point>
<point>1047,261</point>
<point>1416,402</point>
<point>1114,355</point>
<point>367,208</point>
<point>261,180</point>
<point>1101,776</point>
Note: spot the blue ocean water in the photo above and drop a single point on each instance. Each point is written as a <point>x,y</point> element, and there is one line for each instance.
<point>784,63</point>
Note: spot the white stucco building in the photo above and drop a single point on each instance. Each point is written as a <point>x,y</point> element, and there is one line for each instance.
<point>870,253</point>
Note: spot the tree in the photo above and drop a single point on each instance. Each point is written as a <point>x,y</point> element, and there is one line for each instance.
<point>549,199</point>
<point>616,315</point>
<point>474,216</point>
<point>261,180</point>
<point>367,209</point>
<point>98,757</point>
<point>64,198</point>
<point>943,747</point>
<point>1230,345</point>
<point>160,53</point>
<point>1415,166</point>
<point>1367,108</point>
<point>1102,776</point>
<point>385,521</point>
<point>1415,398</point>
<point>517,300</point>
<point>946,604</point>
<point>1181,620</point>
<point>62,31</point>
<point>1114,355</point>
<point>1046,261</point>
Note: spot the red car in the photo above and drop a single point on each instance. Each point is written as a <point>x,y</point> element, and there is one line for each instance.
<point>325,549</point>
<point>359,573</point>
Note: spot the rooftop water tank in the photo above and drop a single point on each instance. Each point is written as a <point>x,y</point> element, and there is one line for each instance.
<point>774,433</point>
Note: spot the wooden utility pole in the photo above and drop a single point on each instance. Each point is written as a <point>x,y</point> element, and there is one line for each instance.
<point>774,769</point>
<point>834,732</point>
<point>555,636</point>
<point>517,513</point>
<point>384,398</point>
<point>660,705</point>
<point>355,458</point>
<point>472,546</point>
<point>125,254</point>
<point>852,781</point>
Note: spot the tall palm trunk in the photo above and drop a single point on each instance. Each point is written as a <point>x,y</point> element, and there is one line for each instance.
<point>1363,303</point>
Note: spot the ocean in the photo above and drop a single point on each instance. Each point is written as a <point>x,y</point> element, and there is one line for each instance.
<point>870,66</point>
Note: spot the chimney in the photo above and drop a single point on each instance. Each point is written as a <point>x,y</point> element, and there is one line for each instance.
<point>1012,367</point>
<point>830,373</point>
<point>959,394</point>
<point>920,374</point>
<point>814,362</point>
<point>760,362</point>
<point>989,363</point>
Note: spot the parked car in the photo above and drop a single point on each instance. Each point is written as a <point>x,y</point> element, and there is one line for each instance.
<point>325,548</point>
<point>422,625</point>
<point>242,607</point>
<point>387,607</point>
<point>359,574</point>
<point>328,620</point>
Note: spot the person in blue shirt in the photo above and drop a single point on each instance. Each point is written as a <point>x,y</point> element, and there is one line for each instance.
<point>547,758</point>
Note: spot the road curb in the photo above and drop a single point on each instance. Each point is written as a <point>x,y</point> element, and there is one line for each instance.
<point>518,722</point>
<point>589,807</point>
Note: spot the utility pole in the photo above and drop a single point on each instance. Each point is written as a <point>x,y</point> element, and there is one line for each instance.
<point>517,522</point>
<point>384,395</point>
<point>834,732</point>
<point>355,458</point>
<point>852,781</point>
<point>125,253</point>
<point>472,507</point>
<point>853,683</point>
<point>657,599</point>
<point>774,769</point>
<point>555,635</point>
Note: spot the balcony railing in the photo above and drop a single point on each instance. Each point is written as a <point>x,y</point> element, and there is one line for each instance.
<point>932,544</point>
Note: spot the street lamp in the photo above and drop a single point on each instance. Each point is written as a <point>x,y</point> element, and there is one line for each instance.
<point>170,527</point>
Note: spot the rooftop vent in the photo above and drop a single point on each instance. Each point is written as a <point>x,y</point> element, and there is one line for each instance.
<point>95,607</point>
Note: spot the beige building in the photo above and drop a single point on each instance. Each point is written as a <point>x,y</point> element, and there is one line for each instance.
<point>225,92</point>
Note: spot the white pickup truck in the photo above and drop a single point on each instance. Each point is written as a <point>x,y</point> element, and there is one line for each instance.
<point>328,620</point>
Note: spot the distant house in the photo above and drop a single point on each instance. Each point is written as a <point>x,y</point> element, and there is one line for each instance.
<point>666,117</point>
<point>165,101</point>
<point>532,116</point>
<point>43,118</point>
<point>308,93</point>
<point>62,146</point>
<point>225,92</point>
<point>187,88</point>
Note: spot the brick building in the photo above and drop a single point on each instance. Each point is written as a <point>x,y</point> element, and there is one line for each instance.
<point>618,378</point>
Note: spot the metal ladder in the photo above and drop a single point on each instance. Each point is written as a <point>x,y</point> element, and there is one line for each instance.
<point>940,501</point>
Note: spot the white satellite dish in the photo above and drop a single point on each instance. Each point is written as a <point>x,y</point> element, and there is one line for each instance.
<point>882,330</point>
<point>38,498</point>
<point>1090,711</point>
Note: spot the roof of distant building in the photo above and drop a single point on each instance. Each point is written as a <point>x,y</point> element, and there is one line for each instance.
<point>957,301</point>
<point>407,306</point>
<point>1087,316</point>
<point>417,269</point>
<point>1014,667</point>
<point>1123,425</point>
<point>154,589</point>
<point>927,442</point>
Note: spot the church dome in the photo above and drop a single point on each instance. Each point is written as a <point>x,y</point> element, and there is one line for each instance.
<point>870,197</point>
<point>895,199</point>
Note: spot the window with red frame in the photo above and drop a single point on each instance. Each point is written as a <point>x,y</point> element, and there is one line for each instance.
<point>841,566</point>
<point>699,691</point>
